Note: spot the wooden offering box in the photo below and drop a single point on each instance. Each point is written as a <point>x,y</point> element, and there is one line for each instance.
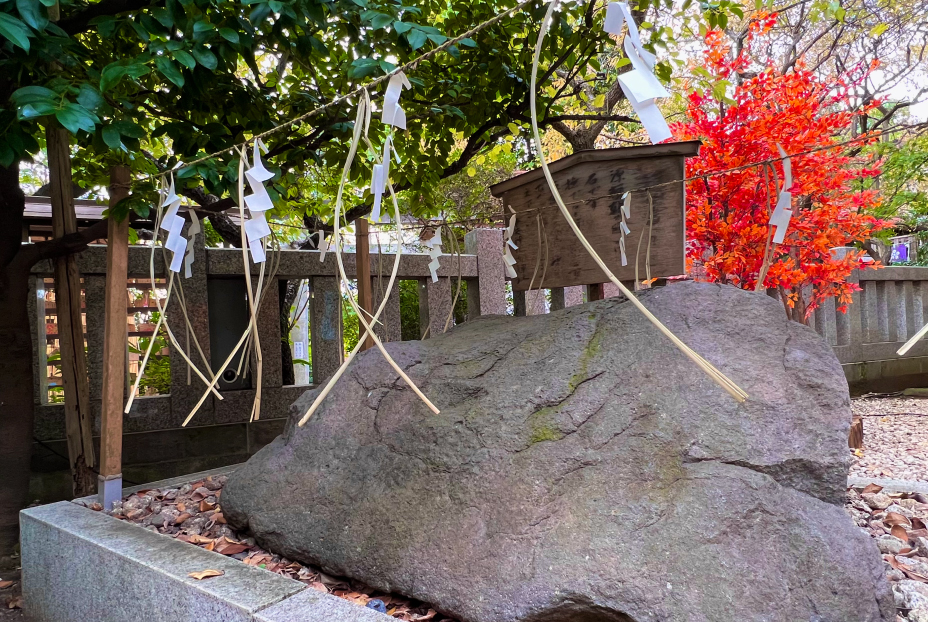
<point>581,178</point>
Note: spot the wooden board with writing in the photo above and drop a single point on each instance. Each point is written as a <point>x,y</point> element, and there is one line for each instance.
<point>549,249</point>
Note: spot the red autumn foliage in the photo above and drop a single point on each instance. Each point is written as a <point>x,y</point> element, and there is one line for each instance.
<point>728,214</point>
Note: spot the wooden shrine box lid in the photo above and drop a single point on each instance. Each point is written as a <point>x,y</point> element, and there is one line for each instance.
<point>581,178</point>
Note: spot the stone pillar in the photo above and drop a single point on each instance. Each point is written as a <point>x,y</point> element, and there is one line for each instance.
<point>611,290</point>
<point>434,305</point>
<point>573,296</point>
<point>269,333</point>
<point>390,328</point>
<point>184,396</point>
<point>530,302</point>
<point>325,327</point>
<point>486,295</point>
<point>95,301</point>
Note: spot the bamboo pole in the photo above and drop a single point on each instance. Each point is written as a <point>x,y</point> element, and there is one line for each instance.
<point>114,343</point>
<point>78,418</point>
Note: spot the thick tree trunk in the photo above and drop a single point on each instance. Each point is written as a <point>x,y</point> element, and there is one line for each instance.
<point>16,380</point>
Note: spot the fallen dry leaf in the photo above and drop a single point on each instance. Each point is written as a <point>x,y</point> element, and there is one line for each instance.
<point>899,532</point>
<point>181,518</point>
<point>199,539</point>
<point>231,549</point>
<point>205,574</point>
<point>6,584</point>
<point>894,518</point>
<point>318,586</point>
<point>181,508</point>
<point>917,523</point>
<point>871,488</point>
<point>422,618</point>
<point>206,507</point>
<point>219,518</point>
<point>16,603</point>
<point>210,546</point>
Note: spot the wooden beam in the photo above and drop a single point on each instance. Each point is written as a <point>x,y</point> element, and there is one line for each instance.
<point>114,345</point>
<point>365,298</point>
<point>78,418</point>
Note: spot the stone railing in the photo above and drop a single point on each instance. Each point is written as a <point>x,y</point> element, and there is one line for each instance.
<point>890,308</point>
<point>153,426</point>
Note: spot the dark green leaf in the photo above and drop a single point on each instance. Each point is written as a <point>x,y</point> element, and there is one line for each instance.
<point>49,2</point>
<point>110,76</point>
<point>163,17</point>
<point>416,38</point>
<point>202,26</point>
<point>381,20</point>
<point>185,58</point>
<point>468,42</point>
<point>32,94</point>
<point>205,57</point>
<point>32,13</point>
<point>130,129</point>
<point>111,137</point>
<point>229,35</point>
<point>169,70</point>
<point>401,27</point>
<point>36,110</point>
<point>15,31</point>
<point>89,98</point>
<point>74,118</point>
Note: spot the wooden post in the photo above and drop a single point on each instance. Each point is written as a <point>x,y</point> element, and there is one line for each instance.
<point>596,292</point>
<point>78,417</point>
<point>363,263</point>
<point>114,345</point>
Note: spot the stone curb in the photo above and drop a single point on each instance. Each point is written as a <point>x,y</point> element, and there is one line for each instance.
<point>78,564</point>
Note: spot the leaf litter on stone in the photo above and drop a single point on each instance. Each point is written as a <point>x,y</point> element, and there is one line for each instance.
<point>193,514</point>
<point>205,574</point>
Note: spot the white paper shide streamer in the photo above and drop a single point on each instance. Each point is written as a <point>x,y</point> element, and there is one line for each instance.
<point>173,223</point>
<point>395,116</point>
<point>508,260</point>
<point>783,212</point>
<point>434,246</point>
<point>640,85</point>
<point>258,202</point>
<point>626,214</point>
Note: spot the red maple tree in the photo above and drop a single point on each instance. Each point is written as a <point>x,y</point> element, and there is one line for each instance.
<point>748,109</point>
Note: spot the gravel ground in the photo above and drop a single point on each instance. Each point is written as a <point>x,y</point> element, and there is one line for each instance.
<point>895,438</point>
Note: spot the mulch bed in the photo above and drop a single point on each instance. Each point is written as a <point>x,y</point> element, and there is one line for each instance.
<point>193,514</point>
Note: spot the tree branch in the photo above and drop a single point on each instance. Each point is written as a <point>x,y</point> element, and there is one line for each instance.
<point>31,254</point>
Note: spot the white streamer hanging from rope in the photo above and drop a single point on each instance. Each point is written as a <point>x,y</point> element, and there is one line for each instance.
<point>361,127</point>
<point>640,85</point>
<point>172,202</point>
<point>434,246</point>
<point>783,212</point>
<point>734,390</point>
<point>259,202</point>
<point>508,260</point>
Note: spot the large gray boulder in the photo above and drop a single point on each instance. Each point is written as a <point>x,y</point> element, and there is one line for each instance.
<point>582,469</point>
